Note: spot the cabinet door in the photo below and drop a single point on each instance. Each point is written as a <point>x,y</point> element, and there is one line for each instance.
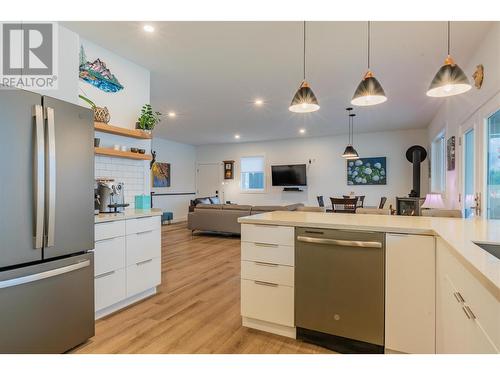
<point>410,293</point>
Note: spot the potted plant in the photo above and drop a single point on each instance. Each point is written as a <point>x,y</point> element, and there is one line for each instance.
<point>148,118</point>
<point>101,114</point>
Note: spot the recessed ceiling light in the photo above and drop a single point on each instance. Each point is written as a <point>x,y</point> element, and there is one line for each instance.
<point>148,28</point>
<point>236,136</point>
<point>302,131</point>
<point>172,114</point>
<point>258,102</point>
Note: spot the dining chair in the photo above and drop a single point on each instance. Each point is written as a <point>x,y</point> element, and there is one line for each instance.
<point>361,199</point>
<point>345,205</point>
<point>382,202</point>
<point>321,202</point>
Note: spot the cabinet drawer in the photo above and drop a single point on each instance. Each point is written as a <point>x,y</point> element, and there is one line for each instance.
<point>271,303</point>
<point>109,229</point>
<point>143,246</point>
<point>109,288</point>
<point>270,234</point>
<point>269,272</point>
<point>142,224</point>
<point>268,253</point>
<point>143,275</point>
<point>109,255</point>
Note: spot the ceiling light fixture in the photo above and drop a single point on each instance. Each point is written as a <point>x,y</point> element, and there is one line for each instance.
<point>148,28</point>
<point>302,131</point>
<point>304,100</point>
<point>172,114</point>
<point>369,91</point>
<point>236,136</point>
<point>258,102</point>
<point>350,152</point>
<point>450,79</point>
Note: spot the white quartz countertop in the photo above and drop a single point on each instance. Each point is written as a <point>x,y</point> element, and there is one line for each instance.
<point>458,233</point>
<point>127,214</point>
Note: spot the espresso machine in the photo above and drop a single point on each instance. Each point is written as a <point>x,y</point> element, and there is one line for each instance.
<point>109,196</point>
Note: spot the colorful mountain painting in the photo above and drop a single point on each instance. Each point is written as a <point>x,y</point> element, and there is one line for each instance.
<point>97,74</point>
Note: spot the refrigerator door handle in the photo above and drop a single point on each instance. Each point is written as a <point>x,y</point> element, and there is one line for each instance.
<point>50,177</point>
<point>43,275</point>
<point>38,176</point>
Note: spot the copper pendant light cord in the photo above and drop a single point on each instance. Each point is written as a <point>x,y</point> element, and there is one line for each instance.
<point>304,45</point>
<point>369,45</point>
<point>448,38</point>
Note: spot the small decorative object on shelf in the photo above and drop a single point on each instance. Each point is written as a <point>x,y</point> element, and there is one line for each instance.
<point>148,118</point>
<point>228,169</point>
<point>101,114</point>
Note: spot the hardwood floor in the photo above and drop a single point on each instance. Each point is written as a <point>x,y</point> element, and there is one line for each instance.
<point>197,308</point>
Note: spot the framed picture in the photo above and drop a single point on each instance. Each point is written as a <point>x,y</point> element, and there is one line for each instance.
<point>160,174</point>
<point>228,169</point>
<point>450,153</point>
<point>367,171</point>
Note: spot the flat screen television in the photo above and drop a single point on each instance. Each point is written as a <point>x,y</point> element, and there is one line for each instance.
<point>289,175</point>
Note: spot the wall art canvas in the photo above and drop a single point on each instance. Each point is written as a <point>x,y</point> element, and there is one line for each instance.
<point>367,171</point>
<point>450,153</point>
<point>97,74</point>
<point>160,174</point>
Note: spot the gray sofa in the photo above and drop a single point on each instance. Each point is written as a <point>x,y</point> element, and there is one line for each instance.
<point>224,217</point>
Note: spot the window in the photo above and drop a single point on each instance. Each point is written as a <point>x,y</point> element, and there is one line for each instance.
<point>252,173</point>
<point>438,164</point>
<point>493,178</point>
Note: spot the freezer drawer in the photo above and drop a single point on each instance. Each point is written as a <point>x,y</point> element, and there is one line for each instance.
<point>48,307</point>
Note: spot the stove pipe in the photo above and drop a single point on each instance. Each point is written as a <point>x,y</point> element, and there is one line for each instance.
<point>416,155</point>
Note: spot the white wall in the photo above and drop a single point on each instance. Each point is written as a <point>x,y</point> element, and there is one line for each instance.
<point>455,110</point>
<point>327,172</point>
<point>124,105</point>
<point>182,159</point>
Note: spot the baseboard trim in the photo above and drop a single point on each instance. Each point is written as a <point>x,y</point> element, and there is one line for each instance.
<point>124,303</point>
<point>261,325</point>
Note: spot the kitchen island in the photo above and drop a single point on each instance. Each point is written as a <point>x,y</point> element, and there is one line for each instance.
<point>442,291</point>
<point>127,258</point>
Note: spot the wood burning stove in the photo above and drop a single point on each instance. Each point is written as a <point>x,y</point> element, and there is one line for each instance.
<point>410,206</point>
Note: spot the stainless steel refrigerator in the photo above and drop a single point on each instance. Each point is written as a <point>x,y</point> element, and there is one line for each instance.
<point>46,223</point>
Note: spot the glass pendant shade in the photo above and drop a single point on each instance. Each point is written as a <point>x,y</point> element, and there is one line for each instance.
<point>304,100</point>
<point>369,92</point>
<point>449,80</point>
<point>350,153</point>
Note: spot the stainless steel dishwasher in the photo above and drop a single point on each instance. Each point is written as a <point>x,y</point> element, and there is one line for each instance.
<point>339,289</point>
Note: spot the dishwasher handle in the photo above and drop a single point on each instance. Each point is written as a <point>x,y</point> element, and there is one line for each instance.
<point>349,243</point>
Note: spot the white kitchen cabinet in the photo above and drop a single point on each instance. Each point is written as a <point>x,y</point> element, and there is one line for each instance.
<point>468,315</point>
<point>410,293</point>
<point>267,278</point>
<point>127,262</point>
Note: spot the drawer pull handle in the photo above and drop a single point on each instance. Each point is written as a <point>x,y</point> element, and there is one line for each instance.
<point>105,240</point>
<point>263,283</point>
<point>472,315</point>
<point>145,231</point>
<point>314,232</point>
<point>466,312</point>
<point>144,262</point>
<point>261,244</point>
<point>266,264</point>
<point>459,297</point>
<point>104,274</point>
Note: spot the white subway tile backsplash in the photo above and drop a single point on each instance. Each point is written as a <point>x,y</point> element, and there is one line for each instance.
<point>133,173</point>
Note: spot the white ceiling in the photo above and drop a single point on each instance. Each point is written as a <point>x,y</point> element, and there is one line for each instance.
<point>209,73</point>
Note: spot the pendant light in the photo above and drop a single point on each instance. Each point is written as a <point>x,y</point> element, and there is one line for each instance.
<point>350,152</point>
<point>369,91</point>
<point>304,100</point>
<point>450,79</point>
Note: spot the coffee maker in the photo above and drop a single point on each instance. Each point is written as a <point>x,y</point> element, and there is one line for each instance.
<point>110,197</point>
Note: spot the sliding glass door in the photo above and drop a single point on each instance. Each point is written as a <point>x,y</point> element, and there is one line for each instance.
<point>493,167</point>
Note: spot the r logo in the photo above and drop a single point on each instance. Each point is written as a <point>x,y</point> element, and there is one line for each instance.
<point>27,49</point>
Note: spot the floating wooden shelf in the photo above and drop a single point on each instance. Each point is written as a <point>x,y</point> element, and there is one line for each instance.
<point>121,154</point>
<point>133,133</point>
